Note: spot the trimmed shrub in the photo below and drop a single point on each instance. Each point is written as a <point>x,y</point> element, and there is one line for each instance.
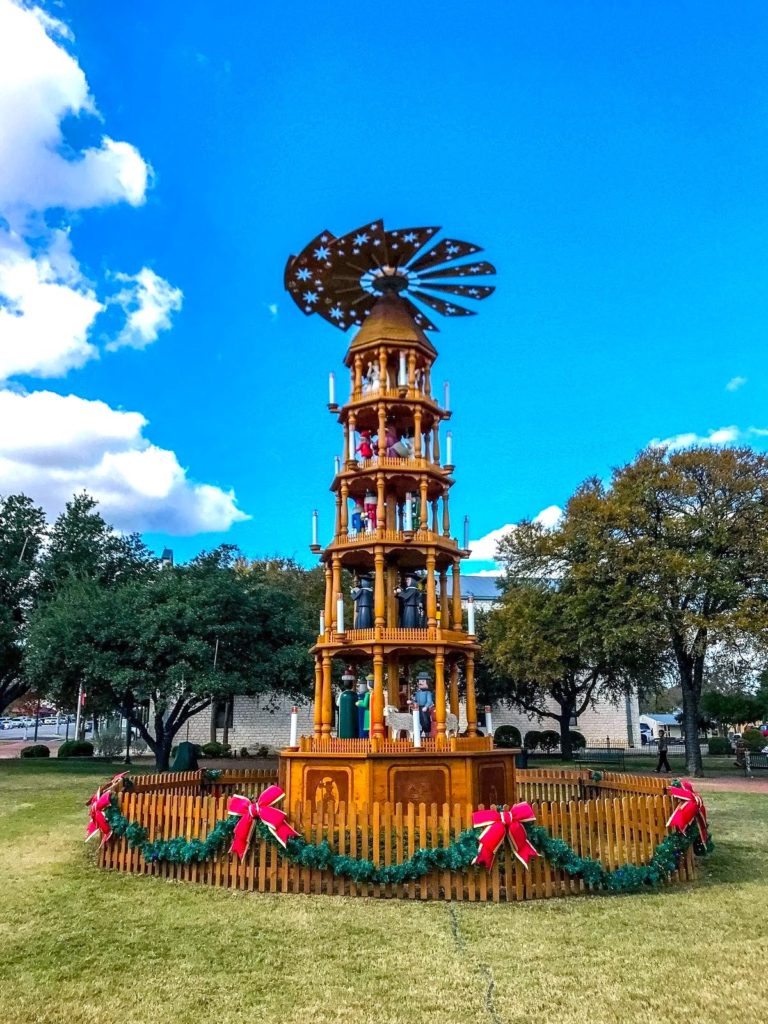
<point>216,749</point>
<point>532,739</point>
<point>550,740</point>
<point>263,751</point>
<point>578,742</point>
<point>38,750</point>
<point>110,741</point>
<point>507,736</point>
<point>754,740</point>
<point>719,746</point>
<point>76,748</point>
<point>244,752</point>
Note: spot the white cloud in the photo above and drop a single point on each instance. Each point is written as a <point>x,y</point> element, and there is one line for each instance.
<point>53,445</point>
<point>735,383</point>
<point>41,84</point>
<point>483,550</point>
<point>723,435</point>
<point>46,309</point>
<point>273,310</point>
<point>148,302</point>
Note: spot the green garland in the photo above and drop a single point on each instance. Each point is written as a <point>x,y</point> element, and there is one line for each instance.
<point>458,856</point>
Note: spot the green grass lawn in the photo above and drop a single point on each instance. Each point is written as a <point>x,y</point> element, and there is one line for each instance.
<point>81,945</point>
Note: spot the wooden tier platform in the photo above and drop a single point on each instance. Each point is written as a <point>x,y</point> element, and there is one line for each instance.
<point>467,770</point>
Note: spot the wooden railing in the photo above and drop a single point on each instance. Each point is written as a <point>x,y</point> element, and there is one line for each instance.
<point>332,745</point>
<point>394,537</point>
<point>615,831</point>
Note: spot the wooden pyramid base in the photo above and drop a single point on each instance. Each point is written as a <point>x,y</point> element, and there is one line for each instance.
<point>363,777</point>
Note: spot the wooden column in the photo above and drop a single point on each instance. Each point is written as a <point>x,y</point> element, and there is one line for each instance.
<point>426,445</point>
<point>338,526</point>
<point>440,696</point>
<point>453,698</point>
<point>377,700</point>
<point>344,507</point>
<point>379,599</point>
<point>469,670</point>
<point>329,597</point>
<point>383,367</point>
<point>411,371</point>
<point>446,515</point>
<point>382,442</point>
<point>381,507</point>
<point>456,617</point>
<point>423,504</point>
<point>431,600</point>
<point>445,604</point>
<point>428,380</point>
<point>327,715</point>
<point>434,516</point>
<point>318,708</point>
<point>335,587</point>
<point>393,681</point>
<point>390,599</point>
<point>436,444</point>
<point>358,371</point>
<point>417,449</point>
<point>345,454</point>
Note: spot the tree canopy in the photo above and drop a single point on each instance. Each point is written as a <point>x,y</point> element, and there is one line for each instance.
<point>170,642</point>
<point>685,535</point>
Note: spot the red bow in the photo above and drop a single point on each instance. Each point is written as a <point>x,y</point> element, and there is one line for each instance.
<point>691,809</point>
<point>96,807</point>
<point>262,809</point>
<point>497,824</point>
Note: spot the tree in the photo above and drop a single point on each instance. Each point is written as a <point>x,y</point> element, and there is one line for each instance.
<point>688,531</point>
<point>22,532</point>
<point>549,658</point>
<point>170,643</point>
<point>730,708</point>
<point>561,636</point>
<point>81,545</point>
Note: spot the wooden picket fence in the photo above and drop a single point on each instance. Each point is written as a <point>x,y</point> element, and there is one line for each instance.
<point>250,781</point>
<point>616,830</point>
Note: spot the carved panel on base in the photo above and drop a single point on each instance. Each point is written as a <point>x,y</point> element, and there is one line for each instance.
<point>492,784</point>
<point>428,784</point>
<point>330,786</point>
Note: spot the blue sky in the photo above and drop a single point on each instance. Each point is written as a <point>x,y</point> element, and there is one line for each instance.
<point>611,159</point>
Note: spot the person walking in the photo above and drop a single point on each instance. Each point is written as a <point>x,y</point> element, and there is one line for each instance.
<point>663,764</point>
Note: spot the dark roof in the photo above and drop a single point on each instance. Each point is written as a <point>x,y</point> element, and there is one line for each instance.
<point>482,588</point>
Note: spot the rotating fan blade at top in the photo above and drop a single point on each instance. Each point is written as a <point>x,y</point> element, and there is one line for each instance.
<point>342,278</point>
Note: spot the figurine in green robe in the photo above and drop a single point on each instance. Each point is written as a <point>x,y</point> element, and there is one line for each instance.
<point>347,713</point>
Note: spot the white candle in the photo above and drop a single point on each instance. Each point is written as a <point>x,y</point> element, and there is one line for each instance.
<point>402,376</point>
<point>449,448</point>
<point>408,512</point>
<point>322,623</point>
<point>339,613</point>
<point>294,740</point>
<point>332,388</point>
<point>466,533</point>
<point>336,464</point>
<point>446,396</point>
<point>314,528</point>
<point>471,615</point>
<point>488,721</point>
<point>416,726</point>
